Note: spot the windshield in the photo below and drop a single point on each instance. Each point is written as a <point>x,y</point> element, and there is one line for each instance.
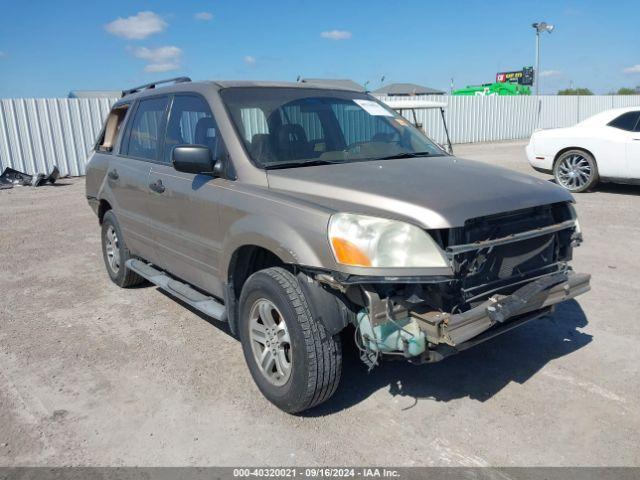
<point>291,127</point>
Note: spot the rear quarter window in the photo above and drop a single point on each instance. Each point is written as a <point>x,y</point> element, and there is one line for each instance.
<point>112,127</point>
<point>627,121</point>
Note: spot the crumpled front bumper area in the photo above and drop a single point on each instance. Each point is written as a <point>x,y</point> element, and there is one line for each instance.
<point>429,335</point>
<point>449,333</point>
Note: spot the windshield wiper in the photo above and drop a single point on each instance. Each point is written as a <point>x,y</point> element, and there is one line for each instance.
<point>308,163</point>
<point>404,155</point>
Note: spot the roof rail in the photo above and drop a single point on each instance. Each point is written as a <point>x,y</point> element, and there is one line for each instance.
<point>147,86</point>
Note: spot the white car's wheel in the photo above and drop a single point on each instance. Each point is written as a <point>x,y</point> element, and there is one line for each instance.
<point>576,170</point>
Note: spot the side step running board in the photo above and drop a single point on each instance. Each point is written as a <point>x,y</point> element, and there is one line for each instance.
<point>207,305</point>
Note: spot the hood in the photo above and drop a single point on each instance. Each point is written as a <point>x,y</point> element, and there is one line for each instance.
<point>435,192</point>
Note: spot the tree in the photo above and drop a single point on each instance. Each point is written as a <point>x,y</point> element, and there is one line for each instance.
<point>575,91</point>
<point>627,91</point>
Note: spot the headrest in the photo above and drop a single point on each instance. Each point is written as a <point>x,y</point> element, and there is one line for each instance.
<point>291,133</point>
<point>202,130</point>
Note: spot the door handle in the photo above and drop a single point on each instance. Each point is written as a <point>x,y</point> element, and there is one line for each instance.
<point>157,186</point>
<point>113,174</point>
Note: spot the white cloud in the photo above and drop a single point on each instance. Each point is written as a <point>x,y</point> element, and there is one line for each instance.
<point>2,54</point>
<point>336,34</point>
<point>249,60</point>
<point>550,73</point>
<point>137,26</point>
<point>162,59</point>
<point>206,16</point>
<point>161,67</point>
<point>632,69</point>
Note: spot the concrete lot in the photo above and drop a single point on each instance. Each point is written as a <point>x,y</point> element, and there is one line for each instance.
<point>94,375</point>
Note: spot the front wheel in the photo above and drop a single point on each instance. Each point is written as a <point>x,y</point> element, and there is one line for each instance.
<point>295,363</point>
<point>576,170</point>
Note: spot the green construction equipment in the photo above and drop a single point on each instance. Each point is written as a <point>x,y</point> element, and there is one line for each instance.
<point>493,89</point>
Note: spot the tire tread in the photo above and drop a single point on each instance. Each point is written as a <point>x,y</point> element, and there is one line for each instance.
<point>324,353</point>
<point>128,278</point>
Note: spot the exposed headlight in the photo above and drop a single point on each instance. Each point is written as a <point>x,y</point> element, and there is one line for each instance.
<point>363,241</point>
<point>574,215</point>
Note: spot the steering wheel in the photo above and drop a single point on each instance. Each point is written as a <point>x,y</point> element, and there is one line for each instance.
<point>354,147</point>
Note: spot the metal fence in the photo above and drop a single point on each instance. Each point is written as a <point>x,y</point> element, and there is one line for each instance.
<point>36,134</point>
<point>493,118</point>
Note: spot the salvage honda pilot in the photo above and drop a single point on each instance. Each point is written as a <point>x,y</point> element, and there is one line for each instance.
<point>295,210</point>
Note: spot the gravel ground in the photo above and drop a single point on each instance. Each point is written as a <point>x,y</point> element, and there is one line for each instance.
<point>94,375</point>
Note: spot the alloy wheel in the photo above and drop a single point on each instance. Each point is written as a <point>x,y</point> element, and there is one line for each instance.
<point>270,341</point>
<point>574,172</point>
<point>112,248</point>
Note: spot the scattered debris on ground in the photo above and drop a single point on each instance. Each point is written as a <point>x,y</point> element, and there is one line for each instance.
<point>12,177</point>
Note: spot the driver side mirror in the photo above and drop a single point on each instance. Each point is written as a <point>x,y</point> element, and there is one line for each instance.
<point>196,159</point>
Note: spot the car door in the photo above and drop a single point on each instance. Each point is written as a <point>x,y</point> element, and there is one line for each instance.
<point>626,128</point>
<point>183,207</point>
<point>633,151</point>
<point>128,174</point>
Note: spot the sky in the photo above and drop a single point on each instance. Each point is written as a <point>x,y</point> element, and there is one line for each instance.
<point>48,48</point>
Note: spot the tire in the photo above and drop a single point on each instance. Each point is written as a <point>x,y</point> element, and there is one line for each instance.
<point>115,253</point>
<point>314,357</point>
<point>576,170</point>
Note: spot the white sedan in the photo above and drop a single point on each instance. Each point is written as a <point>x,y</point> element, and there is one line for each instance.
<point>605,147</point>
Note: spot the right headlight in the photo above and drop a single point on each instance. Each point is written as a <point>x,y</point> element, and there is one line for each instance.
<point>363,241</point>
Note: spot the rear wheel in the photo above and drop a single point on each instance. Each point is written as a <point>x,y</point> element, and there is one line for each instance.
<point>295,363</point>
<point>576,170</point>
<point>116,253</point>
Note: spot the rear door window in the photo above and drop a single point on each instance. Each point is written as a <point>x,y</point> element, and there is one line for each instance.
<point>146,129</point>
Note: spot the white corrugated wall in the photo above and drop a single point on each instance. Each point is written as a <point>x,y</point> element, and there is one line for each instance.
<point>36,134</point>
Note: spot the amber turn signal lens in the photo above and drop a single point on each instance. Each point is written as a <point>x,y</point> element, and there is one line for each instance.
<point>349,254</point>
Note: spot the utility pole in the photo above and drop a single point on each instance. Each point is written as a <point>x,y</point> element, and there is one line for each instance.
<point>536,75</point>
<point>539,27</point>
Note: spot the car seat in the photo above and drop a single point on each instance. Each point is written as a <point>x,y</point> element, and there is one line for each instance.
<point>292,142</point>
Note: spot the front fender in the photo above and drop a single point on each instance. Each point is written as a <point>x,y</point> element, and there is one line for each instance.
<point>300,244</point>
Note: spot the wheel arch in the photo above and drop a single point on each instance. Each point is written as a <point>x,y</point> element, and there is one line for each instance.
<point>326,307</point>
<point>566,149</point>
<point>248,259</point>
<point>244,261</point>
<point>103,207</point>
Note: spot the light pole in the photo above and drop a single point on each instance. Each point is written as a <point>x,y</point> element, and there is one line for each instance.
<point>539,27</point>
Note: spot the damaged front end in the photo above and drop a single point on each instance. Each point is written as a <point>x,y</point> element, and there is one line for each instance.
<point>507,269</point>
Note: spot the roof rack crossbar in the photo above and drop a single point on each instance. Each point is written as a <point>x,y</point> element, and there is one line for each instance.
<point>154,84</point>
